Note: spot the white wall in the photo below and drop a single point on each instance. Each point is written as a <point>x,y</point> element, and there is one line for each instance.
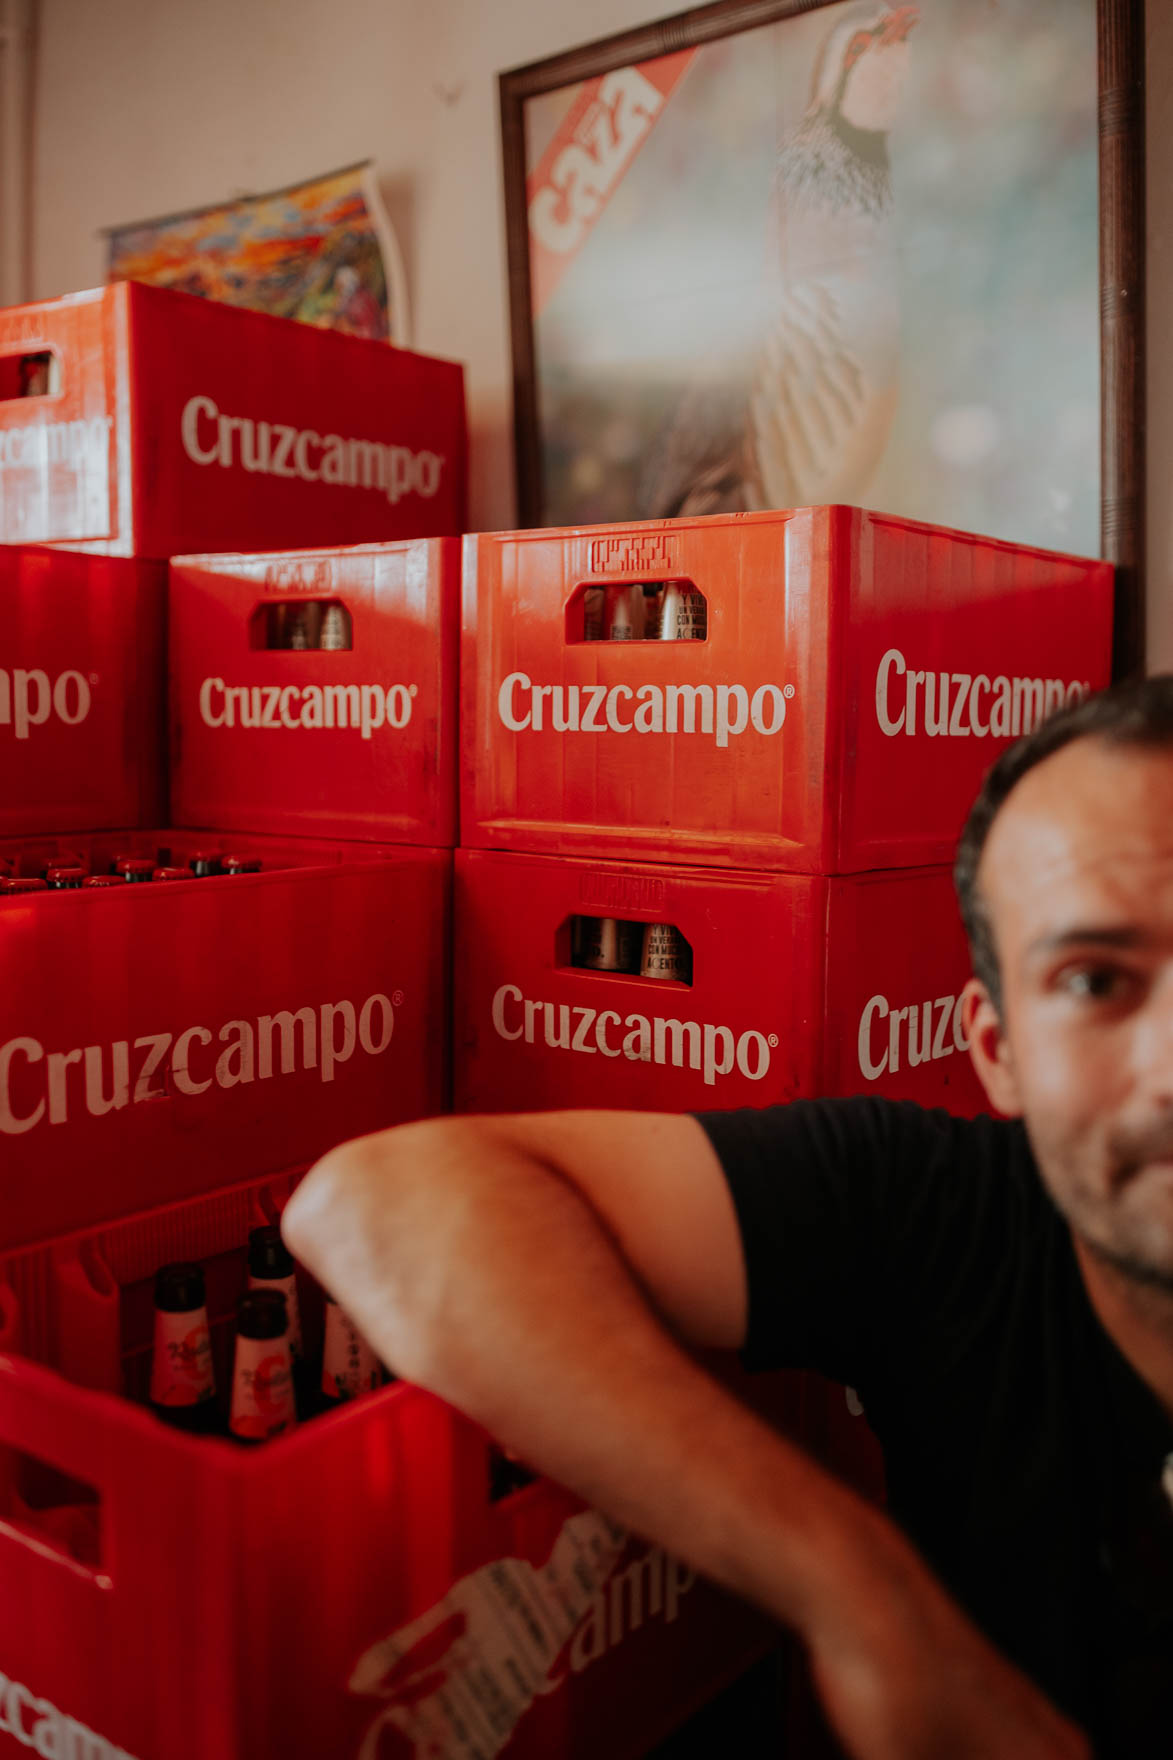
<point>149,106</point>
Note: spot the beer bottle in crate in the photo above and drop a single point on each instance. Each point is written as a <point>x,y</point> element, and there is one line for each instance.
<point>349,1365</point>
<point>262,1370</point>
<point>183,1383</point>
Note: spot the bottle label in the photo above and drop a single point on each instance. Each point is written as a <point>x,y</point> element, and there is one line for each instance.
<point>611,944</point>
<point>181,1368</point>
<point>262,1389</point>
<point>288,1288</point>
<point>349,1365</point>
<point>683,615</point>
<point>665,954</point>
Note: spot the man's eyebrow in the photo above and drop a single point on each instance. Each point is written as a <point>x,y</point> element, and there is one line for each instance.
<point>1088,935</point>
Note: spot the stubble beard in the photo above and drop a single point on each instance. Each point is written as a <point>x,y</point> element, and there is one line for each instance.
<point>1143,1273</point>
<point>1137,1249</point>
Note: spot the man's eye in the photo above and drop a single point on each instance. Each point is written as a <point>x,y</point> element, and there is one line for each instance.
<point>1094,983</point>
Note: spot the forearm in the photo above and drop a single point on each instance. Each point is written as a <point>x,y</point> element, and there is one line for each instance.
<point>480,1273</point>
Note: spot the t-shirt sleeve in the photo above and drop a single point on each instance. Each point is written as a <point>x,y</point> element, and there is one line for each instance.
<point>864,1222</point>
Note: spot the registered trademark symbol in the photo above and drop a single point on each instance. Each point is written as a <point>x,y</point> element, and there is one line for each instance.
<point>397,998</point>
<point>93,678</point>
<point>787,690</point>
<point>413,690</point>
<point>772,1041</point>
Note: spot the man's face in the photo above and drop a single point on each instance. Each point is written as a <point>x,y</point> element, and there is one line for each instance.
<point>1077,877</point>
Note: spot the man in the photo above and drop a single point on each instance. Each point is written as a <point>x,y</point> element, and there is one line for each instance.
<point>999,1291</point>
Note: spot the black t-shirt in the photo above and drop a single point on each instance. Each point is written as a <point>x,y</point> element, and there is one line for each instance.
<point>917,1258</point>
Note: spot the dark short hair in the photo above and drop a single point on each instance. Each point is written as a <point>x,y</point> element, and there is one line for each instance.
<point>1136,713</point>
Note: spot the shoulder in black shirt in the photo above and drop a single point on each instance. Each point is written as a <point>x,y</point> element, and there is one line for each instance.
<point>917,1258</point>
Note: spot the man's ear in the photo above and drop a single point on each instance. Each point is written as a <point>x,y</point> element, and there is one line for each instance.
<point>990,1049</point>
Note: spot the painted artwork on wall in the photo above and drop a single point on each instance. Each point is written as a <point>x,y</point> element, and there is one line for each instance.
<point>849,255</point>
<point>321,251</point>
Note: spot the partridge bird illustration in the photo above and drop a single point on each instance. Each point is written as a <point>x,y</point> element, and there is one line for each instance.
<point>812,422</point>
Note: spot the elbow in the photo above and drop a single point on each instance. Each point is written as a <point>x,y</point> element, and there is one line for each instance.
<point>358,1195</point>
<point>321,1206</point>
<point>371,1221</point>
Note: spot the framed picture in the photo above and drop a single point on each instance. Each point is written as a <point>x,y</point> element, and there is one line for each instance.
<point>769,253</point>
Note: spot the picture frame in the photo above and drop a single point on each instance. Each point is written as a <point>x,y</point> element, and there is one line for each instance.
<point>1119,151</point>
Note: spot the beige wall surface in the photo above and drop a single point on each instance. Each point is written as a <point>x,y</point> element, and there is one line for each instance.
<point>151,106</point>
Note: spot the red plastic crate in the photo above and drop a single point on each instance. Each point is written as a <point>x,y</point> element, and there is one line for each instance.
<point>183,1598</point>
<point>801,985</point>
<point>82,737</point>
<point>800,735</point>
<point>152,1036</point>
<point>353,743</point>
<point>177,424</point>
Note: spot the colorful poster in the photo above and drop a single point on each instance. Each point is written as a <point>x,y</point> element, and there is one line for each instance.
<point>848,256</point>
<point>322,252</point>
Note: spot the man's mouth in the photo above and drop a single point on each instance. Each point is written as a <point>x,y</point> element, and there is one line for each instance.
<point>1142,1152</point>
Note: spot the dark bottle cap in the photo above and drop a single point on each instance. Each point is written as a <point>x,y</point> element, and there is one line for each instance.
<point>263,1313</point>
<point>241,865</point>
<point>104,880</point>
<point>136,869</point>
<point>268,1256</point>
<point>20,884</point>
<point>65,879</point>
<point>172,874</point>
<point>120,856</point>
<point>205,862</point>
<point>179,1288</point>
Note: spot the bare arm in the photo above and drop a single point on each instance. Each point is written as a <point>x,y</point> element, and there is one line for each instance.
<point>519,1267</point>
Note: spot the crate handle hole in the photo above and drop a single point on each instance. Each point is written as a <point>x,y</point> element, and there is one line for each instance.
<point>637,611</point>
<point>30,375</point>
<point>317,625</point>
<point>52,1507</point>
<point>623,947</point>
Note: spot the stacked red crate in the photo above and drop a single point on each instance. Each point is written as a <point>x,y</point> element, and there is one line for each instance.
<point>139,422</point>
<point>82,668</point>
<point>167,1053</point>
<point>145,422</point>
<point>786,791</point>
<point>314,692</point>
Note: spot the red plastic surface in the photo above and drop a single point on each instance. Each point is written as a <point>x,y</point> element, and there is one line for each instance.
<point>182,424</point>
<point>801,986</point>
<point>385,766</point>
<point>82,737</point>
<point>804,752</point>
<point>151,1044</point>
<point>327,1594</point>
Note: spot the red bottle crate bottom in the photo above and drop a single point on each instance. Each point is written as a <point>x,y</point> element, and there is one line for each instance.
<point>350,1590</point>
